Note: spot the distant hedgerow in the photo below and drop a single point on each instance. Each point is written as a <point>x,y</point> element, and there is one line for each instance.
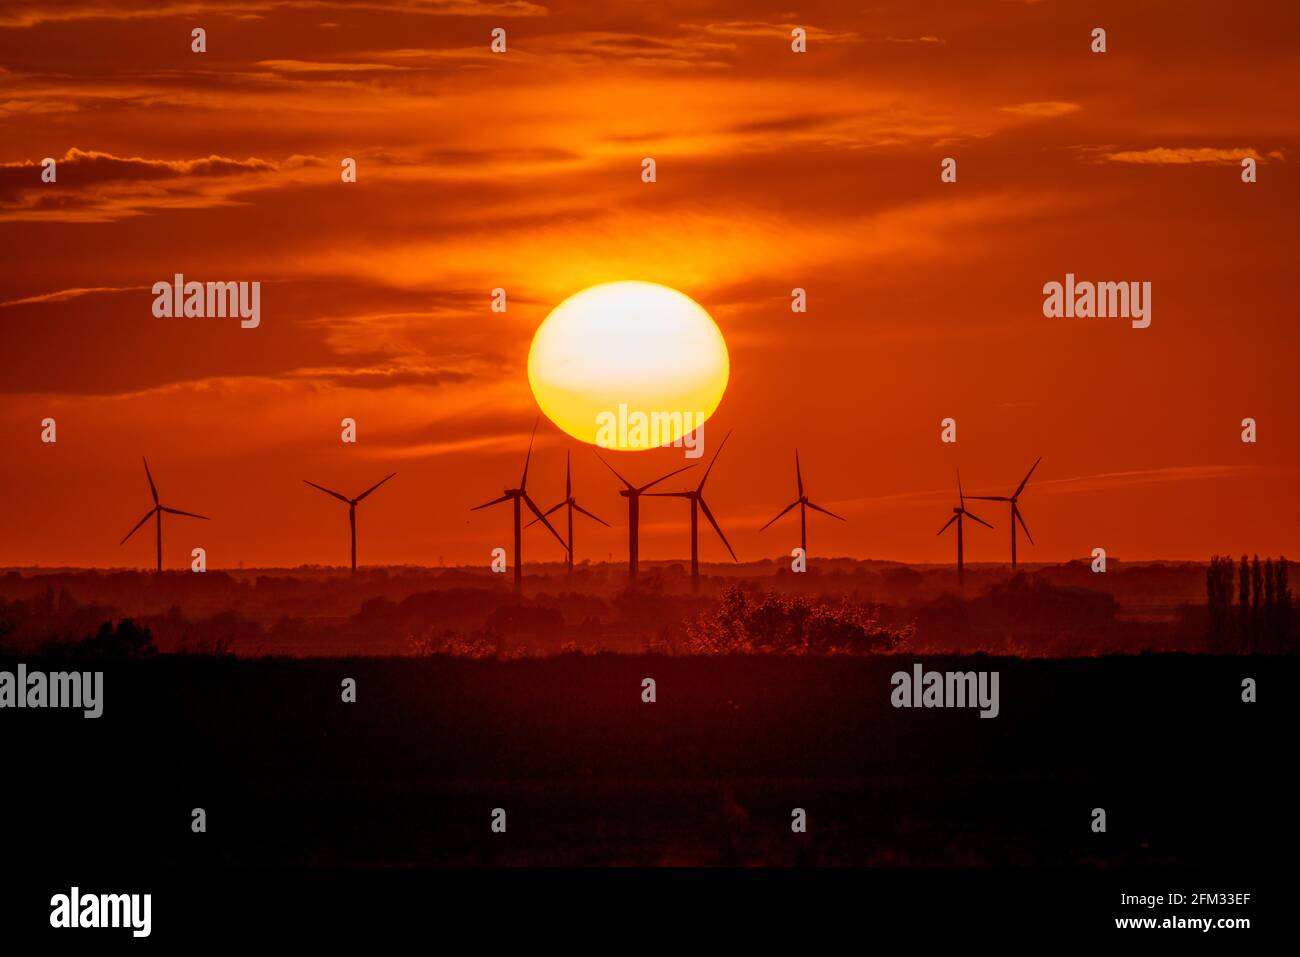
<point>460,645</point>
<point>768,623</point>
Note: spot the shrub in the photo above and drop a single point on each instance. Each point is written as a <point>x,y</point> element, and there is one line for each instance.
<point>126,640</point>
<point>768,623</point>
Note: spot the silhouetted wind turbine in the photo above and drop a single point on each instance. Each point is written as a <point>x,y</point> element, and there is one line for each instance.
<point>573,505</point>
<point>520,495</point>
<point>157,511</point>
<point>633,495</point>
<point>1015,510</point>
<point>352,510</point>
<point>957,515</point>
<point>804,504</point>
<point>696,498</point>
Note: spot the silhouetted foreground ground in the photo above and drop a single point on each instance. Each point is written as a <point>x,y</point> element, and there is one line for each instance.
<point>588,774</point>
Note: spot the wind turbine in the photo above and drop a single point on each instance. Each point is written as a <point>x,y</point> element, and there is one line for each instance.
<point>573,505</point>
<point>633,495</point>
<point>352,504</point>
<point>696,498</point>
<point>957,515</point>
<point>804,504</point>
<point>157,512</point>
<point>520,496</point>
<point>1015,510</point>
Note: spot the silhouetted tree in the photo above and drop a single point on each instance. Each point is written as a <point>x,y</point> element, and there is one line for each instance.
<point>1282,591</point>
<point>1268,617</point>
<point>529,621</point>
<point>768,623</point>
<point>1256,605</point>
<point>1243,605</point>
<point>1264,604</point>
<point>1218,593</point>
<point>125,640</point>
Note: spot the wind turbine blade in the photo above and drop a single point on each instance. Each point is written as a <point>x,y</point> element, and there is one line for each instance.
<point>523,480</point>
<point>373,487</point>
<point>628,484</point>
<point>978,519</point>
<point>991,498</point>
<point>662,477</point>
<point>152,488</point>
<point>713,461</point>
<point>798,473</point>
<point>495,501</point>
<point>542,518</point>
<point>147,515</point>
<point>177,511</point>
<point>330,491</point>
<point>704,507</point>
<point>782,512</point>
<point>671,494</point>
<point>568,479</point>
<point>548,512</point>
<point>1015,513</point>
<point>959,491</point>
<point>826,511</point>
<point>946,524</point>
<point>1021,487</point>
<point>579,508</point>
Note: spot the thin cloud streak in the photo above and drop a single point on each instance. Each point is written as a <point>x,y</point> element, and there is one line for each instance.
<point>1184,156</point>
<point>1079,483</point>
<point>63,295</point>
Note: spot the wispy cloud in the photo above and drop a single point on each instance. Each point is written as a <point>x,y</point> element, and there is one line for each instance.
<point>34,14</point>
<point>758,28</point>
<point>313,66</point>
<point>1043,110</point>
<point>80,167</point>
<point>1186,155</point>
<point>93,186</point>
<point>385,377</point>
<point>1079,483</point>
<point>1177,473</point>
<point>63,295</point>
<point>637,49</point>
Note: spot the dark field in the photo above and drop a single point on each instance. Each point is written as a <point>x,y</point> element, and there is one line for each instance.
<point>1189,775</point>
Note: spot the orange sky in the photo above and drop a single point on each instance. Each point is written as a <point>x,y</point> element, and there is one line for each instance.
<point>522,171</point>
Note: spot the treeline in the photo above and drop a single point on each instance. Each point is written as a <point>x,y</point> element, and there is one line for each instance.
<point>1029,614</point>
<point>49,615</point>
<point>1260,619</point>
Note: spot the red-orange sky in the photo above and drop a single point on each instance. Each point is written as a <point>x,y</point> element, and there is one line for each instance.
<point>522,171</point>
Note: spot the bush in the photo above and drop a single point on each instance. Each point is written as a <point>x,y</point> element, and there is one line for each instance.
<point>768,623</point>
<point>126,640</point>
<point>454,643</point>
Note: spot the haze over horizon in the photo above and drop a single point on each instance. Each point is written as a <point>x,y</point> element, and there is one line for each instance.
<point>555,568</point>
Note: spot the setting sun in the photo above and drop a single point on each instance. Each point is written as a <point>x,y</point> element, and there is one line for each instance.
<point>628,365</point>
